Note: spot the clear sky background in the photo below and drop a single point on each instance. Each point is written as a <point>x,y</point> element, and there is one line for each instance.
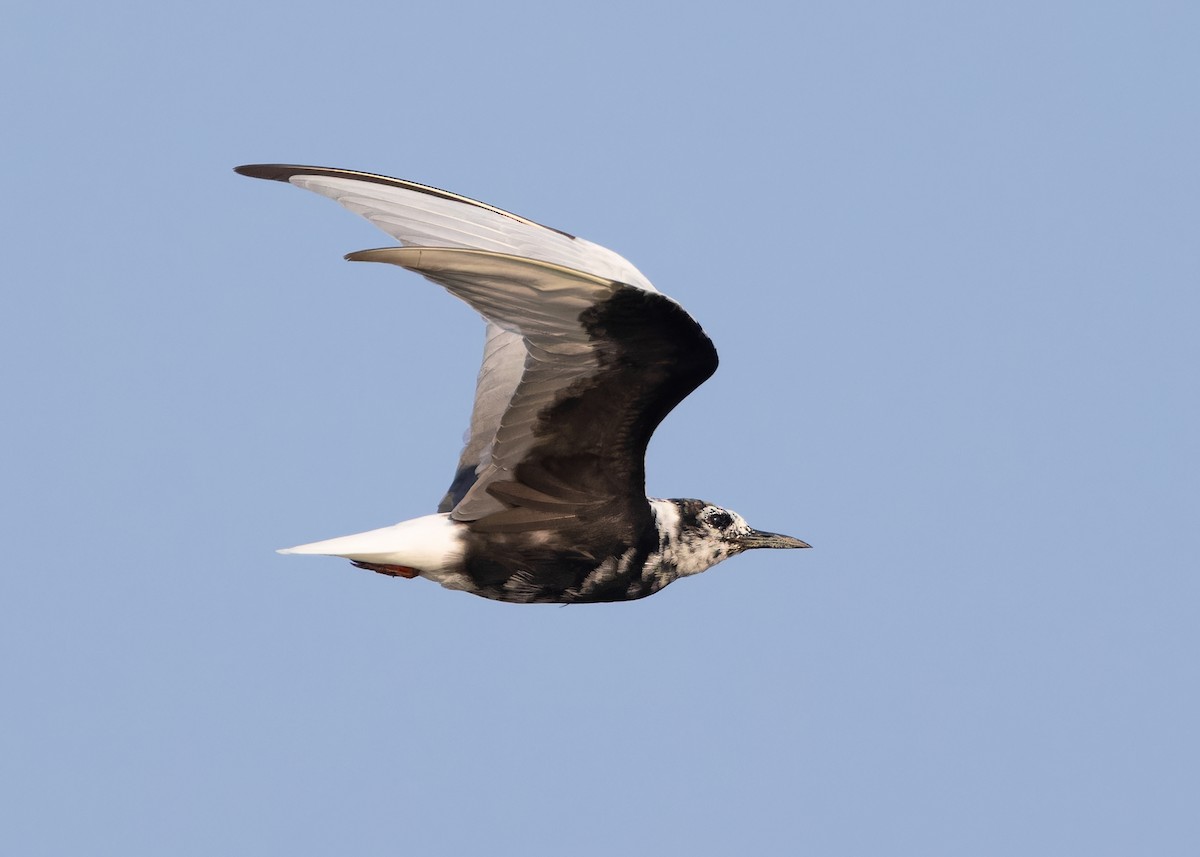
<point>949,253</point>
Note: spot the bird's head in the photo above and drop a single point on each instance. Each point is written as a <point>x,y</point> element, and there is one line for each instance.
<point>703,535</point>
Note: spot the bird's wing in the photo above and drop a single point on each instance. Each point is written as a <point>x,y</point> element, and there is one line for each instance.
<point>422,216</point>
<point>604,363</point>
<point>419,215</point>
<point>503,365</point>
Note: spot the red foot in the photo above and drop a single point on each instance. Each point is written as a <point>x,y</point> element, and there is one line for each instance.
<point>390,570</point>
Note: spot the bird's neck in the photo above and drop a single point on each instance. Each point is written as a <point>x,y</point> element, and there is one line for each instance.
<point>684,549</point>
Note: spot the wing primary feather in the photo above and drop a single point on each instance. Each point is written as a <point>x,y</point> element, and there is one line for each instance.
<point>286,172</point>
<point>426,260</point>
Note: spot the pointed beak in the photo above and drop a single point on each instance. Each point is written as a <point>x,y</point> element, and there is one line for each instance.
<point>759,539</point>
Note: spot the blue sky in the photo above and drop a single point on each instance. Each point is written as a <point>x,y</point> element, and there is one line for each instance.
<point>949,256</point>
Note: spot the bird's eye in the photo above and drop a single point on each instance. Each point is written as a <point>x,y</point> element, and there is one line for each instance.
<point>720,520</point>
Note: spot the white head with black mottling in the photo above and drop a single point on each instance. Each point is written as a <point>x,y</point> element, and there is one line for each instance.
<point>695,535</point>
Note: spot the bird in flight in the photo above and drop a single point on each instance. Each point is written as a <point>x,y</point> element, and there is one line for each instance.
<point>582,360</point>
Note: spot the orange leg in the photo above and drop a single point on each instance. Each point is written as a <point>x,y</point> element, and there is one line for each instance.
<point>390,570</point>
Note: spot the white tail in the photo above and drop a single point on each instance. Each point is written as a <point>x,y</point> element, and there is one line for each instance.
<point>432,543</point>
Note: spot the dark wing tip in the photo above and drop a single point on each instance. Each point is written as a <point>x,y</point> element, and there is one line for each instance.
<point>274,172</point>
